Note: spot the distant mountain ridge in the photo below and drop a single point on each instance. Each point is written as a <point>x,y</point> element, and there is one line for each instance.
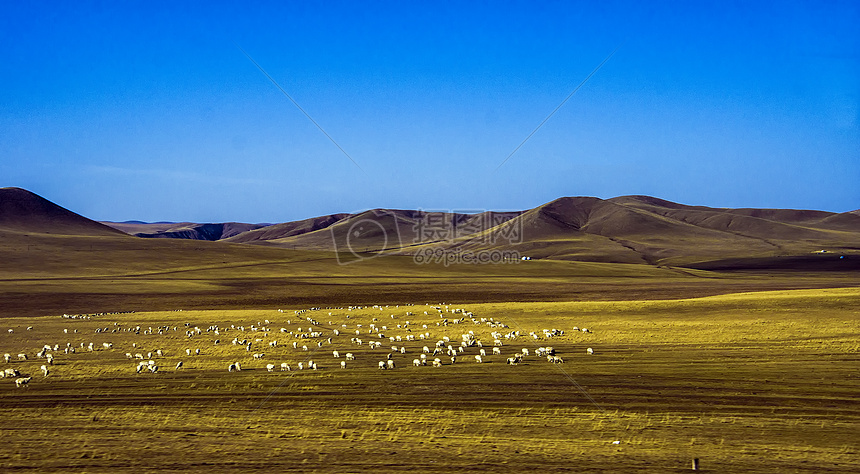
<point>625,229</point>
<point>183,230</point>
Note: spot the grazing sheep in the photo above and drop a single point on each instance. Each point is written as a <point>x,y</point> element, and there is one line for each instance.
<point>22,381</point>
<point>336,354</point>
<point>589,351</point>
<point>270,367</point>
<point>416,362</point>
<point>153,368</point>
<point>382,364</point>
<point>11,372</point>
<point>301,366</point>
<point>343,364</point>
<point>22,356</point>
<point>259,356</point>
<point>437,362</point>
<point>45,370</point>
<point>525,351</point>
<point>497,351</point>
<point>483,353</point>
<point>234,367</point>
<point>7,357</point>
<point>478,359</point>
<point>349,356</point>
<point>285,367</point>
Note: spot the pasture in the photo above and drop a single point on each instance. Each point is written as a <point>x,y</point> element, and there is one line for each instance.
<point>752,382</point>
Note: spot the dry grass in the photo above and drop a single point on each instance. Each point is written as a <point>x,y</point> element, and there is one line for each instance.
<point>761,382</point>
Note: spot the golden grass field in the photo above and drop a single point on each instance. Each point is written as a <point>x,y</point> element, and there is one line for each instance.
<point>746,382</point>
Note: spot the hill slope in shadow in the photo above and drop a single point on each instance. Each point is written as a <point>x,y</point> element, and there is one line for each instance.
<point>24,211</point>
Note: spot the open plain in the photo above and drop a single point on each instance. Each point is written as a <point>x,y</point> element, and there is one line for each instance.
<point>755,382</point>
<point>193,355</point>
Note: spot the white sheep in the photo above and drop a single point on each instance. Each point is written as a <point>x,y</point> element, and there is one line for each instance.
<point>45,370</point>
<point>349,356</point>
<point>179,365</point>
<point>382,364</point>
<point>22,356</point>
<point>343,364</point>
<point>589,351</point>
<point>336,354</point>
<point>497,351</point>
<point>7,357</point>
<point>270,367</point>
<point>285,367</point>
<point>478,359</point>
<point>22,381</point>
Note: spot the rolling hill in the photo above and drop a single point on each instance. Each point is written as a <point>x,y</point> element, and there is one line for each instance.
<point>24,211</point>
<point>626,229</point>
<point>183,230</point>
<point>56,261</point>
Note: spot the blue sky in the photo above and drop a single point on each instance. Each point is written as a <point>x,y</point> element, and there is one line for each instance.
<point>149,110</point>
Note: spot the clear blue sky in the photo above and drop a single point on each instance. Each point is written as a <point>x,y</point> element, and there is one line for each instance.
<point>148,110</point>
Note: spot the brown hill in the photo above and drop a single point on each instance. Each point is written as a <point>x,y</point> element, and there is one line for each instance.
<point>184,230</point>
<point>23,211</point>
<point>287,229</point>
<point>627,229</point>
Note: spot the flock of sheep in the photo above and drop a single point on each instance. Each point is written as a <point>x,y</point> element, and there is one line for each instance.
<point>444,336</point>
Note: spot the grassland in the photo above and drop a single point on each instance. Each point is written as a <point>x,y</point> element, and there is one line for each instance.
<point>55,274</point>
<point>750,382</point>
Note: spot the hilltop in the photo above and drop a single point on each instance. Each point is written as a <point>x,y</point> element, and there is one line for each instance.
<point>22,210</point>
